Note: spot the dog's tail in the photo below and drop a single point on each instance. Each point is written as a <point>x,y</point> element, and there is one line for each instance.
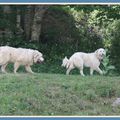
<point>65,62</point>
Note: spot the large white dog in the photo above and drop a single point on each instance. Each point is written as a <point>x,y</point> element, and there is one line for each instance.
<point>81,59</point>
<point>19,56</point>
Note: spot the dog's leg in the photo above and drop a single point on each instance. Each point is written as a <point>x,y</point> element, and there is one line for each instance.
<point>99,70</point>
<point>3,68</point>
<point>28,69</point>
<point>81,72</point>
<point>16,66</point>
<point>69,69</point>
<point>91,71</point>
<point>80,66</point>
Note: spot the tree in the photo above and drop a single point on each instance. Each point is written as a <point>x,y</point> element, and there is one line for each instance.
<point>28,18</point>
<point>36,27</point>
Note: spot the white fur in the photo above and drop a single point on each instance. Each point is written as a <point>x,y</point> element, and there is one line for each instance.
<point>81,59</point>
<point>19,56</point>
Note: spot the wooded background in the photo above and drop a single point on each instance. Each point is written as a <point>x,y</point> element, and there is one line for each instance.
<point>60,30</point>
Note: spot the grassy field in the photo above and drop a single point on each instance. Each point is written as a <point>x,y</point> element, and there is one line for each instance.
<point>58,94</point>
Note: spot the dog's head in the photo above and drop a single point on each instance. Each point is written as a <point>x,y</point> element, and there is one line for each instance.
<point>37,57</point>
<point>64,62</point>
<point>100,53</point>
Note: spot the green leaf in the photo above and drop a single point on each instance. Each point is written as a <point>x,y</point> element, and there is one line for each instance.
<point>111,67</point>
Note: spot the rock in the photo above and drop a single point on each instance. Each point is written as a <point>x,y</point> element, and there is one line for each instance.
<point>116,103</point>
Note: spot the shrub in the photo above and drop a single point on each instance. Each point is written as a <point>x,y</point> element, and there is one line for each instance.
<point>107,67</point>
<point>115,44</point>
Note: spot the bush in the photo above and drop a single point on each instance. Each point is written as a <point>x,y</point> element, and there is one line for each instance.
<point>61,35</point>
<point>107,67</point>
<point>115,44</point>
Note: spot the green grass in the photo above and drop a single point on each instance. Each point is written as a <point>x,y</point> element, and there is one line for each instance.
<point>58,94</point>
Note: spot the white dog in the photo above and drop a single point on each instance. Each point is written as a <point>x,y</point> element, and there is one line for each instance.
<point>19,56</point>
<point>81,59</point>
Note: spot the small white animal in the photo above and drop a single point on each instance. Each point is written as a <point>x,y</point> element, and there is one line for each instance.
<point>81,59</point>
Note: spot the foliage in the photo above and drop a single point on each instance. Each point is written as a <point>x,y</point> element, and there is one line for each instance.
<point>66,29</point>
<point>107,67</point>
<point>115,44</point>
<point>69,34</point>
<point>103,13</point>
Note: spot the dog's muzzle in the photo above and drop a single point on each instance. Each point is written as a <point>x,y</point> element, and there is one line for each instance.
<point>102,55</point>
<point>40,61</point>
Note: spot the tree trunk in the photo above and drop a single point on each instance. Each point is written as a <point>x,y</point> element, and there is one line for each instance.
<point>28,21</point>
<point>18,18</point>
<point>36,27</point>
<point>18,22</point>
<point>6,32</point>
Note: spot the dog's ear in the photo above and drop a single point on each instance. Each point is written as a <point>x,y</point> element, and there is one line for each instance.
<point>96,52</point>
<point>34,53</point>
